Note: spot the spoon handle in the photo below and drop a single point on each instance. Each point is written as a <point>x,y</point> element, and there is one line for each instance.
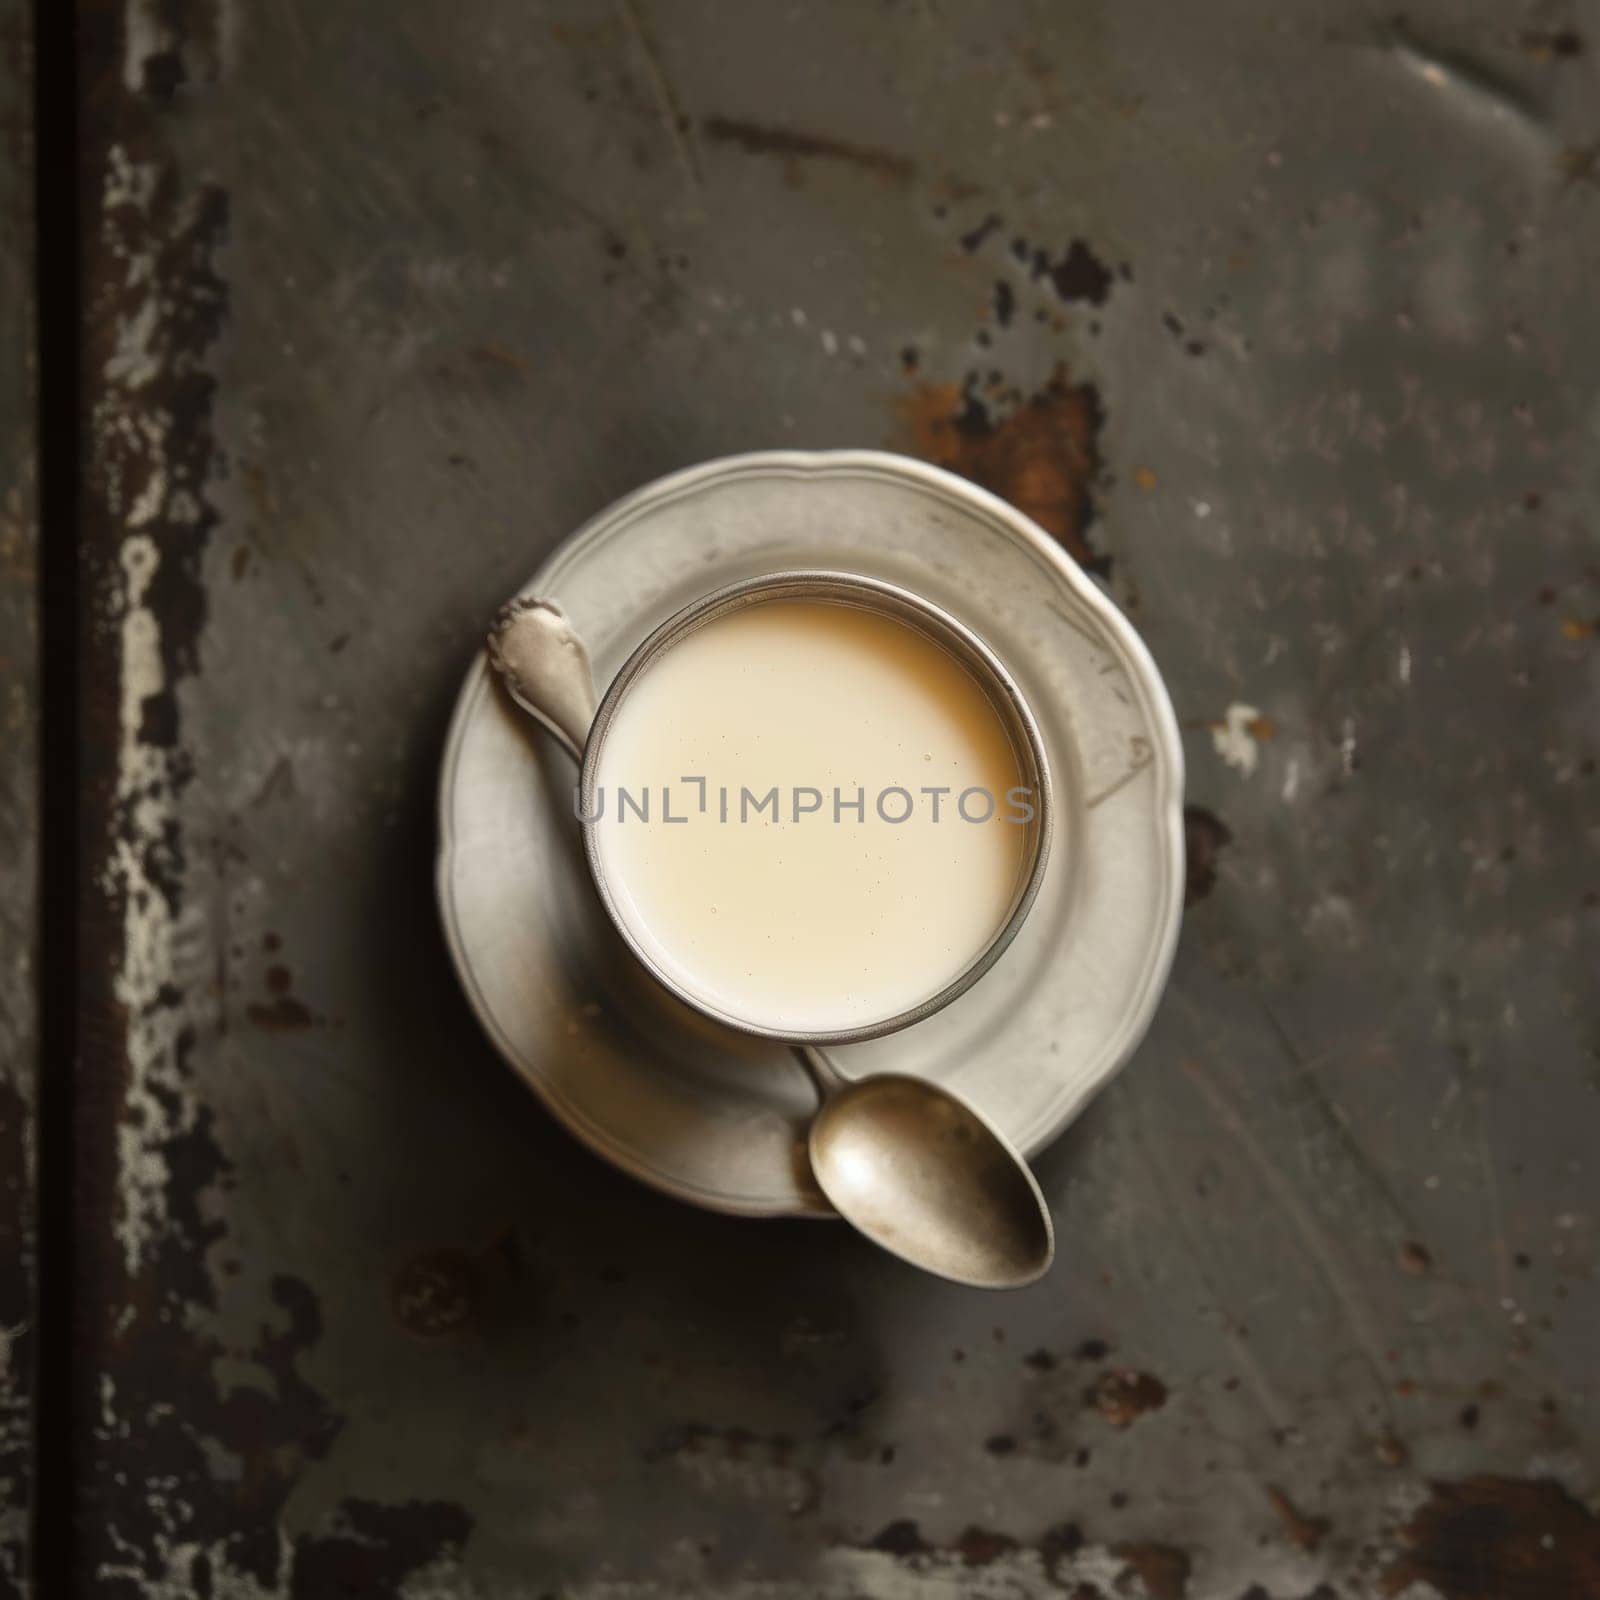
<point>826,1078</point>
<point>544,665</point>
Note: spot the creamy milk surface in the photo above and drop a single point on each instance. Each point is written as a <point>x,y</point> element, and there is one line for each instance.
<point>799,911</point>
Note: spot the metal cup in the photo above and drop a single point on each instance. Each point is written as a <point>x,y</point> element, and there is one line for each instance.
<point>887,599</point>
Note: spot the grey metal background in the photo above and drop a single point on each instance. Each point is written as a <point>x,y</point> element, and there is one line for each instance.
<point>380,302</point>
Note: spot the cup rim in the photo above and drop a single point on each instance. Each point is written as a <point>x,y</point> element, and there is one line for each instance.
<point>945,630</point>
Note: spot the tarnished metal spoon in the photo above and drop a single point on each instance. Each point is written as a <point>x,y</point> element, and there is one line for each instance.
<point>910,1165</point>
<point>921,1173</point>
<point>545,667</point>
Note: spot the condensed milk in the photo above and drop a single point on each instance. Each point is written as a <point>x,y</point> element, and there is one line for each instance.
<point>810,815</point>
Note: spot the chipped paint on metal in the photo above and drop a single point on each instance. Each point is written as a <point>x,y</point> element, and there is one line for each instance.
<point>163,49</point>
<point>192,1472</point>
<point>155,1106</point>
<point>977,1565</point>
<point>145,35</point>
<point>1347,747</point>
<point>176,1561</point>
<point>132,462</point>
<point>1234,738</point>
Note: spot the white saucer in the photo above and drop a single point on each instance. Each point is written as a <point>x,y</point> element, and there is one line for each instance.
<point>720,1119</point>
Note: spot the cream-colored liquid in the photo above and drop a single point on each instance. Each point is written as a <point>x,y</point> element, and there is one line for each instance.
<point>813,924</point>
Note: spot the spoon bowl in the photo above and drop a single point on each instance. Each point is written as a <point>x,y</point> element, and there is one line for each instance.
<point>920,1173</point>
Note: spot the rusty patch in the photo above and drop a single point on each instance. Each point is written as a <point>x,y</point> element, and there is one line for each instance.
<point>980,1547</point>
<point>281,1014</point>
<point>1205,837</point>
<point>282,1011</point>
<point>1042,454</point>
<point>1162,1569</point>
<point>1122,1395</point>
<point>1306,1531</point>
<point>1414,1258</point>
<point>1551,44</point>
<point>1488,1538</point>
<point>791,144</point>
<point>436,1294</point>
<point>1079,275</point>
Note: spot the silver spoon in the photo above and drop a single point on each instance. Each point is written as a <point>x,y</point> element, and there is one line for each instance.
<point>907,1163</point>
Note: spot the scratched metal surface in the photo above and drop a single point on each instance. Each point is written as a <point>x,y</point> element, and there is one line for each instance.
<point>19,808</point>
<point>1283,319</point>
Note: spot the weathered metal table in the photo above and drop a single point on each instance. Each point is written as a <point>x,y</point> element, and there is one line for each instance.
<point>1284,320</point>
